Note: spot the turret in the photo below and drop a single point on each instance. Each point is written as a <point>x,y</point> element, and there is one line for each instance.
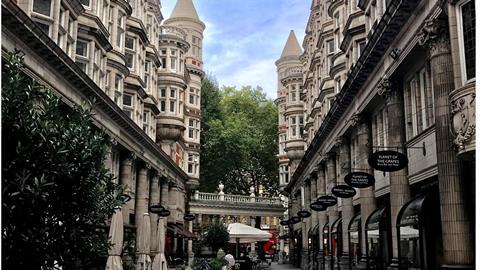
<point>290,108</point>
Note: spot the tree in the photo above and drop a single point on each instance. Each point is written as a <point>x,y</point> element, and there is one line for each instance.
<point>240,143</point>
<point>56,193</point>
<point>216,237</point>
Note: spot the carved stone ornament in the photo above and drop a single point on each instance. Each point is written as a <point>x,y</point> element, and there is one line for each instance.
<point>434,36</point>
<point>356,119</point>
<point>462,102</point>
<point>384,88</point>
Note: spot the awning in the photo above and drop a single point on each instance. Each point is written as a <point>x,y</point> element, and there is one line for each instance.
<point>354,225</point>
<point>335,225</point>
<point>409,214</point>
<point>373,221</point>
<point>315,230</point>
<point>180,231</point>
<point>325,228</point>
<point>246,234</point>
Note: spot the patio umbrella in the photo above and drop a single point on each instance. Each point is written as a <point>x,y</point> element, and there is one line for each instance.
<point>114,261</point>
<point>143,244</point>
<point>160,262</point>
<point>241,233</point>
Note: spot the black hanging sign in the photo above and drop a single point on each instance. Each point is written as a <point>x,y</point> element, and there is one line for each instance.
<point>343,191</point>
<point>304,214</point>
<point>388,161</point>
<point>156,209</point>
<point>359,179</point>
<point>164,213</point>
<point>189,217</point>
<point>295,220</point>
<point>318,207</point>
<point>327,200</point>
<point>284,222</point>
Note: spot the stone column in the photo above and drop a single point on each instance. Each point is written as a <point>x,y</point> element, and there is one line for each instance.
<point>172,202</point>
<point>126,182</point>
<point>190,245</point>
<point>332,211</point>
<point>367,197</point>
<point>154,200</point>
<point>141,199</point>
<point>347,203</point>
<point>322,216</point>
<point>306,226</point>
<point>253,252</point>
<point>314,217</point>
<point>399,186</point>
<point>458,238</point>
<point>163,221</point>
<point>282,246</point>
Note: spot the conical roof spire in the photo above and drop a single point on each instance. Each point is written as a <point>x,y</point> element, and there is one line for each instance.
<point>184,9</point>
<point>292,47</point>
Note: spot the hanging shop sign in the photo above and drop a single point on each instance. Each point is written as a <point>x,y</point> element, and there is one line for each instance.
<point>284,222</point>
<point>164,213</point>
<point>343,191</point>
<point>295,220</point>
<point>304,214</point>
<point>327,200</point>
<point>359,179</point>
<point>318,207</point>
<point>156,209</point>
<point>388,161</point>
<point>189,217</point>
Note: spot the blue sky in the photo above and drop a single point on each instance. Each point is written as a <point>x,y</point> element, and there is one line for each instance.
<point>244,38</point>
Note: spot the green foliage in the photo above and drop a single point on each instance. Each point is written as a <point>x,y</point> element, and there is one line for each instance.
<point>56,193</point>
<point>217,264</point>
<point>216,236</point>
<point>239,139</point>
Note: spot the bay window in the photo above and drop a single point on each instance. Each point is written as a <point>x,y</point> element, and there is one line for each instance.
<point>130,43</point>
<point>418,96</point>
<point>82,58</point>
<point>128,104</point>
<point>192,163</point>
<point>120,29</point>
<point>466,25</point>
<point>173,100</point>
<point>173,60</point>
<point>42,14</point>
<point>163,99</point>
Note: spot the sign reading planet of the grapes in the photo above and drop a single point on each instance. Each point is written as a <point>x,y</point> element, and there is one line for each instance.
<point>388,161</point>
<point>359,179</point>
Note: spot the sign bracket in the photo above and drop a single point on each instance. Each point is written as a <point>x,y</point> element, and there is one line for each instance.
<point>400,147</point>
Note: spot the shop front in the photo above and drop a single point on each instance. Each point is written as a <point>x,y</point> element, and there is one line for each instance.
<point>378,236</point>
<point>315,247</point>
<point>326,247</point>
<point>354,240</point>
<point>419,233</point>
<point>336,242</point>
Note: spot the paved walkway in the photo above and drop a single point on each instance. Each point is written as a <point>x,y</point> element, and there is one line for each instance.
<point>276,266</point>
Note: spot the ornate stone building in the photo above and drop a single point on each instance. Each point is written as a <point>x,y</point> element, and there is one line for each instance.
<point>145,80</point>
<point>386,75</point>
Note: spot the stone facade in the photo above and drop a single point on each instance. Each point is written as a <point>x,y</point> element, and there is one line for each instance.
<point>387,75</point>
<point>145,79</point>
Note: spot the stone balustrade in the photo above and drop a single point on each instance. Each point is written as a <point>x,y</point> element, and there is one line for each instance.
<point>203,196</point>
<point>173,31</point>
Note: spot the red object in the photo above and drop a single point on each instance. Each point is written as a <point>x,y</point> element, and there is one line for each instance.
<point>272,241</point>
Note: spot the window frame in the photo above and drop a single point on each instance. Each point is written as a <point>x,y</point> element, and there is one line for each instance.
<point>461,41</point>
